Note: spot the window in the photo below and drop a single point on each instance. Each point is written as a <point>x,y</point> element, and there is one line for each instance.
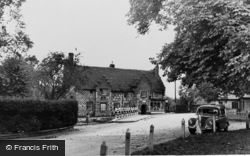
<point>235,105</point>
<point>155,95</point>
<point>116,105</point>
<point>132,104</point>
<point>103,106</point>
<point>104,91</point>
<point>144,94</point>
<point>126,105</point>
<point>103,98</point>
<point>90,105</point>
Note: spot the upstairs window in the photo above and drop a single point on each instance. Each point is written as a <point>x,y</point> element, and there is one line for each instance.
<point>116,105</point>
<point>104,91</point>
<point>144,94</point>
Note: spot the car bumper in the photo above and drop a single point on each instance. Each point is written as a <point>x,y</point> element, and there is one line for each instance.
<point>202,128</point>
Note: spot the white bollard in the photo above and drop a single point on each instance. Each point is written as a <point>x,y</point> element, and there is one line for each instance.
<point>214,129</point>
<point>183,128</point>
<point>151,138</point>
<point>127,142</point>
<point>104,149</point>
<point>198,127</point>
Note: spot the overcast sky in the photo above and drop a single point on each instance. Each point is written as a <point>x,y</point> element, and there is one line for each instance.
<point>96,28</point>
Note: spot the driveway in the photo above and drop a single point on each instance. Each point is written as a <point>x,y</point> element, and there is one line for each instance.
<point>86,140</point>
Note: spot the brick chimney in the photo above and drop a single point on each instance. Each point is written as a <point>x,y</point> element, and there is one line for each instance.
<point>156,70</point>
<point>112,65</point>
<point>71,58</point>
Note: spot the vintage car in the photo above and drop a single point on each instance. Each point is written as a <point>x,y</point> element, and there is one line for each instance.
<point>206,113</point>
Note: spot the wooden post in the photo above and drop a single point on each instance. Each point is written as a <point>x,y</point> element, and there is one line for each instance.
<point>247,120</point>
<point>127,143</point>
<point>183,128</point>
<point>151,138</point>
<point>214,126</point>
<point>104,149</point>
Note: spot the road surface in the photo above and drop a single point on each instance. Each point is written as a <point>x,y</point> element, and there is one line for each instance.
<point>86,140</point>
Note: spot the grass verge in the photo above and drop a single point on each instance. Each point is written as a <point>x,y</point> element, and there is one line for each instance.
<point>232,142</point>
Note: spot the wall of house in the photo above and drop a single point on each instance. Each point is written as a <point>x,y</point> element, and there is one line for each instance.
<point>121,100</point>
<point>143,86</point>
<point>83,97</point>
<point>247,104</point>
<point>102,99</point>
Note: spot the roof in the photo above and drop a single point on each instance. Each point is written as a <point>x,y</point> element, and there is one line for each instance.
<point>124,80</point>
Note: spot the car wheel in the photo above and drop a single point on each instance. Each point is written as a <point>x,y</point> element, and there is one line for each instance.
<point>218,127</point>
<point>192,131</point>
<point>226,129</point>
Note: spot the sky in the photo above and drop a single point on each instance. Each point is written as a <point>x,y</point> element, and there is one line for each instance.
<point>98,29</point>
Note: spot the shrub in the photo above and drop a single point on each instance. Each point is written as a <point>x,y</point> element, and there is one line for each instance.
<point>26,115</point>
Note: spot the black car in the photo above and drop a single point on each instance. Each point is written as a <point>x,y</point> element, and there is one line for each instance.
<point>206,113</point>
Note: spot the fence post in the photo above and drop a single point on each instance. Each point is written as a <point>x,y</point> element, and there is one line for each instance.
<point>104,149</point>
<point>214,123</point>
<point>183,128</point>
<point>247,120</point>
<point>127,143</point>
<point>151,138</point>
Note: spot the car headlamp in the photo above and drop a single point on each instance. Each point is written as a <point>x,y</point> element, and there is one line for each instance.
<point>190,122</point>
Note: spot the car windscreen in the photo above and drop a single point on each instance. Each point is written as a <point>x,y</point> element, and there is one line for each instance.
<point>209,111</point>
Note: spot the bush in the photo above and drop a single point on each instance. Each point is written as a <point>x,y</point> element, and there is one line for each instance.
<point>26,115</point>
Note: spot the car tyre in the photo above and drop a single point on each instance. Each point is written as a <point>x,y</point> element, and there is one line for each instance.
<point>218,128</point>
<point>226,129</point>
<point>192,131</point>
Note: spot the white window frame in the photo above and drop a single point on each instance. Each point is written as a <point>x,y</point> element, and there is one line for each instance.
<point>103,106</point>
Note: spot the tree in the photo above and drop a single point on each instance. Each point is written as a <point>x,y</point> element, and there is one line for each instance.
<point>56,75</point>
<point>188,95</point>
<point>205,91</point>
<point>211,42</point>
<point>13,39</point>
<point>15,77</point>
<point>208,92</point>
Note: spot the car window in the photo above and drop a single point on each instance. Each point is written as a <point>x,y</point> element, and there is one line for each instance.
<point>209,111</point>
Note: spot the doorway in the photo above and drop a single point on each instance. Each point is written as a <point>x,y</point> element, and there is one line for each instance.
<point>144,109</point>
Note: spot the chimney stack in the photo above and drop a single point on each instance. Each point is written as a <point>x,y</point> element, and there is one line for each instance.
<point>71,58</point>
<point>112,65</point>
<point>156,70</point>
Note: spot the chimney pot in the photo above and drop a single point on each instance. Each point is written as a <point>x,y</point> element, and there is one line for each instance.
<point>112,65</point>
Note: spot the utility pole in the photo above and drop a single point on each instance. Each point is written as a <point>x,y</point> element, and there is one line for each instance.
<point>175,91</point>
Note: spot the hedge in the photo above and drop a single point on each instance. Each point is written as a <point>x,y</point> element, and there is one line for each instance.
<point>27,115</point>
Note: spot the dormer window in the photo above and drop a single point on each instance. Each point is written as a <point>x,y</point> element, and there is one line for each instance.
<point>144,94</point>
<point>104,91</point>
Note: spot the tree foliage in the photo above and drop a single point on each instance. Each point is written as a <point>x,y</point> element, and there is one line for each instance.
<point>57,74</point>
<point>211,42</point>
<point>13,39</point>
<point>16,77</point>
<point>205,91</point>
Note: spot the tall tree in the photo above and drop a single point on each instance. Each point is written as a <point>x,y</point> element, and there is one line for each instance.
<point>57,74</point>
<point>15,77</point>
<point>13,39</point>
<point>211,43</point>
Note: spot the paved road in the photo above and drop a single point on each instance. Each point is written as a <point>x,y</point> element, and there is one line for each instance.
<point>86,140</point>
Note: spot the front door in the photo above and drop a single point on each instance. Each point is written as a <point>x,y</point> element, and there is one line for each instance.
<point>144,109</point>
